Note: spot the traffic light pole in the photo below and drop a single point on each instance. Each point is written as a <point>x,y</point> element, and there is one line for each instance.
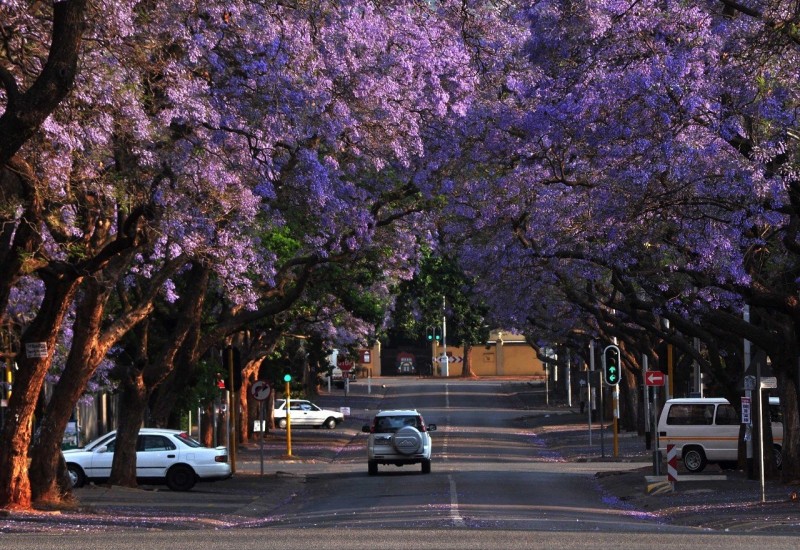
<point>612,369</point>
<point>288,378</point>
<point>234,407</point>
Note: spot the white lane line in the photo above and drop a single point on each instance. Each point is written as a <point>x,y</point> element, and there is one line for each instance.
<point>445,439</point>
<point>458,521</point>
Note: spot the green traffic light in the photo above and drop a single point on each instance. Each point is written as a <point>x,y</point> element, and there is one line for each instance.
<point>287,377</point>
<point>611,365</point>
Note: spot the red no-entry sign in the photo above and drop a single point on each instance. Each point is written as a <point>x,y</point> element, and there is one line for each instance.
<point>654,378</point>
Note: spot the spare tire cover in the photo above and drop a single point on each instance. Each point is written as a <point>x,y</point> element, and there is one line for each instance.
<point>407,440</point>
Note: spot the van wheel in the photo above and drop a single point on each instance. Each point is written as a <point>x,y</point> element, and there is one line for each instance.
<point>694,459</point>
<point>282,424</point>
<point>372,467</point>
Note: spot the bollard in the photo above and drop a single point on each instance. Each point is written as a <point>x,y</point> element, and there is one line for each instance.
<point>672,464</point>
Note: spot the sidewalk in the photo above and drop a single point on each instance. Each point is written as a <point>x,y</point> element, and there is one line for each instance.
<point>716,499</point>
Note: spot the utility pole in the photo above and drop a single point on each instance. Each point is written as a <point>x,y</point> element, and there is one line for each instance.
<point>446,359</point>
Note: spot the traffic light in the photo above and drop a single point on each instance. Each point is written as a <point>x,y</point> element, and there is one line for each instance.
<point>433,334</point>
<point>287,378</point>
<point>612,368</point>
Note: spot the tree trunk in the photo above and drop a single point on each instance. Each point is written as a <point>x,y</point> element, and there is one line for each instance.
<point>85,355</point>
<point>133,401</point>
<point>25,112</point>
<point>138,381</point>
<point>466,370</point>
<point>15,489</point>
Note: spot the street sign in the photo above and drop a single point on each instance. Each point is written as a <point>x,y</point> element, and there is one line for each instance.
<point>769,382</point>
<point>654,378</point>
<point>260,390</point>
<point>345,366</point>
<point>746,410</point>
<point>36,350</point>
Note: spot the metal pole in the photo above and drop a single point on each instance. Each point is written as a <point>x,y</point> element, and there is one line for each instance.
<point>602,414</point>
<point>747,393</point>
<point>760,431</point>
<point>569,380</point>
<point>589,399</point>
<point>656,453</point>
<point>646,402</point>
<point>444,339</point>
<point>232,416</point>
<point>288,421</point>
<point>262,425</point>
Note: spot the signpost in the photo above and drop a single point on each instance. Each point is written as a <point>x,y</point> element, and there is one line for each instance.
<point>288,378</point>
<point>260,391</point>
<point>655,379</point>
<point>345,367</point>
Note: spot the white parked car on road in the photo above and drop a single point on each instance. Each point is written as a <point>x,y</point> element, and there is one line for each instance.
<point>305,413</point>
<point>162,456</point>
<point>398,437</point>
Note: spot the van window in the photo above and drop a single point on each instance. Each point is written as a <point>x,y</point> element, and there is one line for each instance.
<point>727,415</point>
<point>694,414</point>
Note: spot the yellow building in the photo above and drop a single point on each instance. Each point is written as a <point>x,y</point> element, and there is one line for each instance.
<point>504,354</point>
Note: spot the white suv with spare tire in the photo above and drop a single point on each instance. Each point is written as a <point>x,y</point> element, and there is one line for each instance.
<point>398,437</point>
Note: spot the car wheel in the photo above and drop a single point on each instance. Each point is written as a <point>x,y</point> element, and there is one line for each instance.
<point>407,440</point>
<point>778,457</point>
<point>330,423</point>
<point>426,466</point>
<point>372,467</point>
<point>282,424</point>
<point>180,478</point>
<point>76,476</point>
<point>694,459</point>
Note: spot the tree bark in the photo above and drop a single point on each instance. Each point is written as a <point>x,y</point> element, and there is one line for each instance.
<point>133,400</point>
<point>138,381</point>
<point>15,489</point>
<point>466,370</point>
<point>46,478</point>
<point>25,111</point>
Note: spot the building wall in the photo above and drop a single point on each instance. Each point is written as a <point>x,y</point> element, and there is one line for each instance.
<point>503,355</point>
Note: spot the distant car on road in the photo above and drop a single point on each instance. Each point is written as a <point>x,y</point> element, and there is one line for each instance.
<point>162,456</point>
<point>398,437</point>
<point>305,413</point>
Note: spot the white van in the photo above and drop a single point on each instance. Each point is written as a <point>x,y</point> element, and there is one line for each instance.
<point>706,429</point>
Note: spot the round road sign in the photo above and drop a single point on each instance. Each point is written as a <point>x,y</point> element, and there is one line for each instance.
<point>260,390</point>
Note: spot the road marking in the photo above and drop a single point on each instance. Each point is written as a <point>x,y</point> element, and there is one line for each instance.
<point>445,439</point>
<point>458,521</point>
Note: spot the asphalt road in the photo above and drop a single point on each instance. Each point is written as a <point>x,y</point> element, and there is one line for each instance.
<point>496,482</point>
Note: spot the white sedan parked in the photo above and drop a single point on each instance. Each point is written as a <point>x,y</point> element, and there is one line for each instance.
<point>305,413</point>
<point>169,456</point>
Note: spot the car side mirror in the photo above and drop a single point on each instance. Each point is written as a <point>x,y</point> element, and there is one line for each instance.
<point>431,427</point>
<point>103,449</point>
